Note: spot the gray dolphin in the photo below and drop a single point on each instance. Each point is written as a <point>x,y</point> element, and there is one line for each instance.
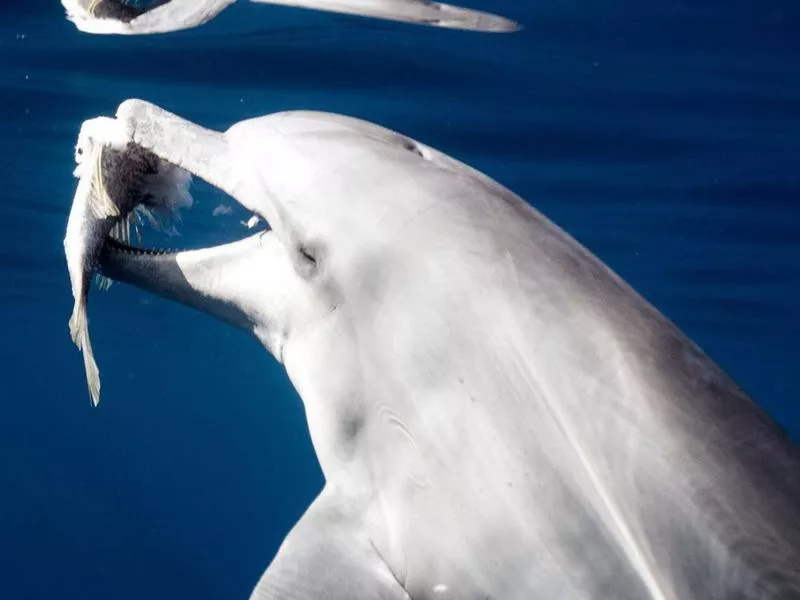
<point>161,16</point>
<point>496,413</point>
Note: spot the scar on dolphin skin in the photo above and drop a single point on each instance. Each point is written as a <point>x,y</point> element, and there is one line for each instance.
<point>496,413</point>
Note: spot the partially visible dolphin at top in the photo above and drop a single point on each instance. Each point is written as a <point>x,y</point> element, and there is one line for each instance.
<point>160,16</point>
<point>496,413</point>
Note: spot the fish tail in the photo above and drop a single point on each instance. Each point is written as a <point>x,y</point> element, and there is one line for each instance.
<point>78,322</point>
<point>79,331</point>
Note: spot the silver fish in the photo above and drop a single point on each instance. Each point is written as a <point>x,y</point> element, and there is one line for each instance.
<point>119,183</point>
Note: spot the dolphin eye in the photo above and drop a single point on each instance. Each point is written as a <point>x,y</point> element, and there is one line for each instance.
<point>308,253</point>
<point>307,260</point>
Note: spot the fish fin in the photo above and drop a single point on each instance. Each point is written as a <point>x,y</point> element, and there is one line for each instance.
<point>137,227</point>
<point>77,322</point>
<point>144,213</point>
<point>79,331</point>
<point>121,231</point>
<point>125,230</point>
<point>103,283</point>
<point>92,372</point>
<point>100,203</point>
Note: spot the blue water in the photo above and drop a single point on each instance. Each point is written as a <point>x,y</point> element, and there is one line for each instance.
<point>663,135</point>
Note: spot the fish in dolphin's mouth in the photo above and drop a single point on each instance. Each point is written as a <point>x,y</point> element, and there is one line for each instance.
<point>121,186</point>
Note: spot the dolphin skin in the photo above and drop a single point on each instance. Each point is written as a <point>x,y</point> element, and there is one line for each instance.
<point>496,413</point>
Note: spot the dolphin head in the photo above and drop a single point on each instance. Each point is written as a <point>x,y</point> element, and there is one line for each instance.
<point>367,274</point>
<point>348,203</point>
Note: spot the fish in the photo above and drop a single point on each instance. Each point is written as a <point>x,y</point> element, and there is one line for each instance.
<point>120,186</point>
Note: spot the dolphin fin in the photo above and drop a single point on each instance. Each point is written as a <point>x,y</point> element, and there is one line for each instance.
<point>421,12</point>
<point>328,554</point>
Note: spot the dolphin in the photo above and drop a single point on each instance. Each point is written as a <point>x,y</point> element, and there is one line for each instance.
<point>161,16</point>
<point>496,413</point>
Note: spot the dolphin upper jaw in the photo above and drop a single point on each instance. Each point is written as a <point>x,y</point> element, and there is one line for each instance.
<point>214,156</point>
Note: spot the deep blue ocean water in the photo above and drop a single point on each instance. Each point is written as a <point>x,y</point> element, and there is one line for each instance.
<point>665,136</point>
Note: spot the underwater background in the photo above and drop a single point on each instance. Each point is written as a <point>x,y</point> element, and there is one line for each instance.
<point>665,136</point>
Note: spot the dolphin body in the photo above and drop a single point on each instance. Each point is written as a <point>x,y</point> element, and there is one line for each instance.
<point>496,413</point>
<point>161,16</point>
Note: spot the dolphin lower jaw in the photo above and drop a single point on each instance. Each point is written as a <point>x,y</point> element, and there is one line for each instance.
<point>189,277</point>
<point>219,281</point>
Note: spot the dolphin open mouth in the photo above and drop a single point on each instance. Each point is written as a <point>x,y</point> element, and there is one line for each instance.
<point>154,190</point>
<point>156,225</point>
<point>122,189</point>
